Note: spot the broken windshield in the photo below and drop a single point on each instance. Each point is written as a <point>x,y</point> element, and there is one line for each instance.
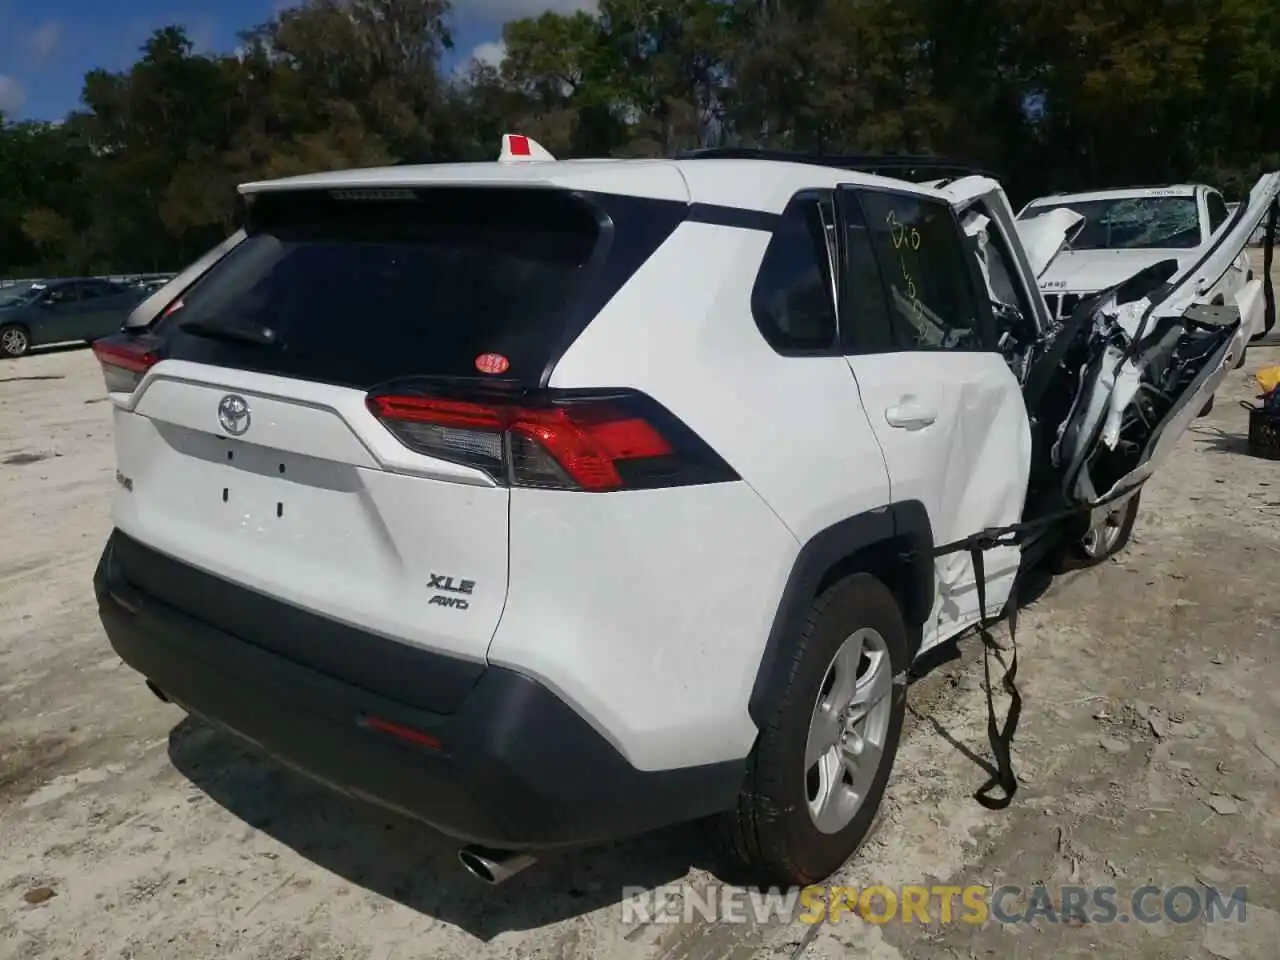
<point>1133,223</point>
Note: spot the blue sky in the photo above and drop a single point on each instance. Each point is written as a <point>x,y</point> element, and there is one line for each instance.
<point>46,46</point>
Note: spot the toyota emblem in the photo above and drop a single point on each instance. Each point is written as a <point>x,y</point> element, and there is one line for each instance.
<point>233,414</point>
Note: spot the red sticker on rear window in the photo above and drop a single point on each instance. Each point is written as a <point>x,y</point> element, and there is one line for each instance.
<point>492,363</point>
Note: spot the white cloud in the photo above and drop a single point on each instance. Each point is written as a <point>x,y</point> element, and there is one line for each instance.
<point>43,41</point>
<point>491,53</point>
<point>12,96</point>
<point>203,34</point>
<point>500,11</point>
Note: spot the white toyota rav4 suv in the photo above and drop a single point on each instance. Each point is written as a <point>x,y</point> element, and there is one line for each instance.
<point>553,502</point>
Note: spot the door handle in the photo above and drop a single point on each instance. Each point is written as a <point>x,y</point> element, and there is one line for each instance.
<point>909,415</point>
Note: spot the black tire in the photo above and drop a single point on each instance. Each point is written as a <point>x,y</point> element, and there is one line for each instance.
<point>1244,355</point>
<point>14,340</point>
<point>1077,556</point>
<point>769,837</point>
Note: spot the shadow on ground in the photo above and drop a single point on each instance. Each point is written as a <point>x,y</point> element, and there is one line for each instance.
<point>1217,440</point>
<point>411,863</point>
<point>46,376</point>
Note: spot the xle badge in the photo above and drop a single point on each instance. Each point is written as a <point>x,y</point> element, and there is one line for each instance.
<point>440,581</point>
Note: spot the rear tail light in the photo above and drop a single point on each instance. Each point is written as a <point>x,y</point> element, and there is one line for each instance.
<point>596,442</point>
<point>123,363</point>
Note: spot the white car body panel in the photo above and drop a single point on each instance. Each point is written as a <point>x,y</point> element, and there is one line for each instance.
<point>322,492</point>
<point>953,429</point>
<point>1043,237</point>
<point>657,647</point>
<point>1088,271</point>
<point>683,359</point>
<point>690,346</point>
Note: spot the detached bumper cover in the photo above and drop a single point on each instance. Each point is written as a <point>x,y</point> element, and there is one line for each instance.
<point>516,768</point>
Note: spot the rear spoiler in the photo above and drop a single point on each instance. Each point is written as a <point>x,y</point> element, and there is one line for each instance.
<point>145,312</point>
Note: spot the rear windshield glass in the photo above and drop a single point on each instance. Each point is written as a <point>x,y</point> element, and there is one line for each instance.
<point>357,291</point>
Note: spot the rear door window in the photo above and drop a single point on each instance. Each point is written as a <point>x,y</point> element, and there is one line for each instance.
<point>360,289</point>
<point>65,293</point>
<point>93,289</point>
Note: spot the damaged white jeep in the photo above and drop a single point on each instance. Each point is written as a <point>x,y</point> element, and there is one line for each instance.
<point>1124,230</point>
<point>551,502</point>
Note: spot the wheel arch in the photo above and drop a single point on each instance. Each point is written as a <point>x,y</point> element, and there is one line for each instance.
<point>894,543</point>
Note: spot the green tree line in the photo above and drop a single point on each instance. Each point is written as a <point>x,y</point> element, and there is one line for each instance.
<point>1051,95</point>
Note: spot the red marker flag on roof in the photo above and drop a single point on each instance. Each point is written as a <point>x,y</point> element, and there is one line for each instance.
<point>517,148</point>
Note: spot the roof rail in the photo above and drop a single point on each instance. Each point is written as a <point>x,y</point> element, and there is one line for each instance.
<point>915,167</point>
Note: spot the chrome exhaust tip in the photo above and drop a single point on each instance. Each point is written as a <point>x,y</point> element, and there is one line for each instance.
<point>493,866</point>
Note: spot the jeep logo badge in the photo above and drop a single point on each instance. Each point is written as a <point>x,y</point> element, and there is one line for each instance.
<point>233,414</point>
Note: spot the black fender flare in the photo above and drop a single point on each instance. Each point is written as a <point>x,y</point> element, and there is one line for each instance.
<point>902,527</point>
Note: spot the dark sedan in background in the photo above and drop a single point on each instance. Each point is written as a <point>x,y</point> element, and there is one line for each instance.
<point>59,311</point>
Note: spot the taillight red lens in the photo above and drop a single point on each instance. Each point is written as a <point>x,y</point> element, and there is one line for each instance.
<point>581,443</point>
<point>588,443</point>
<point>400,732</point>
<point>123,364</point>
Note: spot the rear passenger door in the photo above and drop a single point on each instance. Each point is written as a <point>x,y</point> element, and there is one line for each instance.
<point>60,313</point>
<point>104,306</point>
<point>920,338</point>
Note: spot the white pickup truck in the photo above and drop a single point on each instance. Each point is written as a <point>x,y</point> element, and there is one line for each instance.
<point>1122,231</point>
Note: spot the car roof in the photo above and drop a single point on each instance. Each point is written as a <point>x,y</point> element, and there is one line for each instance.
<point>1122,193</point>
<point>752,184</point>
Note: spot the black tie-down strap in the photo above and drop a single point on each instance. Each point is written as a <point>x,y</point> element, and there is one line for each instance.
<point>999,737</point>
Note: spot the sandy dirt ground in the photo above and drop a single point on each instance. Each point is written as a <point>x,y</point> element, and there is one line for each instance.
<point>1149,752</point>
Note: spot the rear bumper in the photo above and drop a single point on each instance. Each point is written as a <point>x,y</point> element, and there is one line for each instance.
<point>515,768</point>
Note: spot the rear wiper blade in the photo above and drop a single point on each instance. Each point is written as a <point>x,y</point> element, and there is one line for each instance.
<point>260,336</point>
